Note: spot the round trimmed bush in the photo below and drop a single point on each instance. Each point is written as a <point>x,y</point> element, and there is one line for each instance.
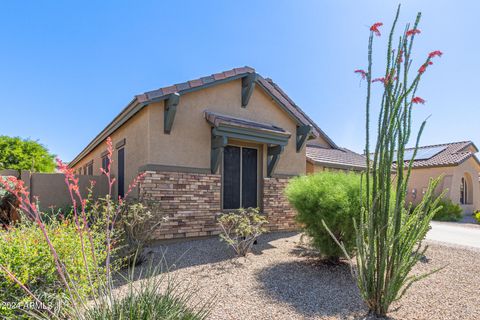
<point>333,197</point>
<point>449,211</point>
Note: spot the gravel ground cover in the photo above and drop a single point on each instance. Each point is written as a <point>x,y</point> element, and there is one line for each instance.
<point>282,280</point>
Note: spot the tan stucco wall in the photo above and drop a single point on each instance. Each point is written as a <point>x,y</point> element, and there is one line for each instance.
<point>451,181</point>
<point>135,132</point>
<point>188,144</point>
<point>420,178</point>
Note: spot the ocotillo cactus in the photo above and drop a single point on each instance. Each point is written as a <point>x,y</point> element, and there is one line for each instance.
<point>389,233</point>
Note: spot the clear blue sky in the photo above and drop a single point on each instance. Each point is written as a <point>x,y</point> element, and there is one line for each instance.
<point>67,68</point>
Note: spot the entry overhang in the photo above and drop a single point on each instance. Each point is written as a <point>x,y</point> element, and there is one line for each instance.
<point>225,127</point>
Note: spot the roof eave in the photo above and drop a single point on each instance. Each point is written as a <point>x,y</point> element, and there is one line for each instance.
<point>337,165</point>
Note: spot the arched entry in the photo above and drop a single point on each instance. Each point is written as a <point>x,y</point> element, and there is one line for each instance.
<point>466,189</point>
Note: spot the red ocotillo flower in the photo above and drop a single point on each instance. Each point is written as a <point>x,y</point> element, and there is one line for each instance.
<point>418,100</point>
<point>362,73</point>
<point>412,32</point>
<point>424,67</point>
<point>386,80</point>
<point>374,28</point>
<point>436,53</point>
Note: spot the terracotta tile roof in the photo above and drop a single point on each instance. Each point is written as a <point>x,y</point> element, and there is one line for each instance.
<point>446,154</point>
<point>179,87</point>
<point>341,158</point>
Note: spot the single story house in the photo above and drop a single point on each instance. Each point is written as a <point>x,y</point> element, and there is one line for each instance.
<point>457,162</point>
<point>221,142</point>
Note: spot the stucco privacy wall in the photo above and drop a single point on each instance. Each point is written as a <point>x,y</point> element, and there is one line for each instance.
<point>188,144</point>
<point>51,190</point>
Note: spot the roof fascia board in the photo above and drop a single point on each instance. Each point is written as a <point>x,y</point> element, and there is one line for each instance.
<point>338,165</point>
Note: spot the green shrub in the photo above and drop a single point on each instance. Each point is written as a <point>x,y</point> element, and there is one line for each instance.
<point>449,212</point>
<point>241,228</point>
<point>25,253</point>
<point>476,215</point>
<point>333,197</point>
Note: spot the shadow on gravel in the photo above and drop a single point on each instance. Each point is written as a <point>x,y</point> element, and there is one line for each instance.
<point>204,251</point>
<point>314,289</point>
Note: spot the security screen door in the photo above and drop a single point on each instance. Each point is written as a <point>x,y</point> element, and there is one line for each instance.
<point>240,177</point>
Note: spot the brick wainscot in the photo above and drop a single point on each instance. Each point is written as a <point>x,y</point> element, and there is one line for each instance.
<point>192,202</point>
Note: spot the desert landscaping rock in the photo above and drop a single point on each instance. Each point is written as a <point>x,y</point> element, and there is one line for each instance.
<point>281,280</point>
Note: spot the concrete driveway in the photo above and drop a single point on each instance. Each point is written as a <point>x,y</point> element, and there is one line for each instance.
<point>463,234</point>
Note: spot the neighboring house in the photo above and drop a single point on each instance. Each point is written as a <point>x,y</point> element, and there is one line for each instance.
<point>459,166</point>
<point>320,158</point>
<point>229,140</point>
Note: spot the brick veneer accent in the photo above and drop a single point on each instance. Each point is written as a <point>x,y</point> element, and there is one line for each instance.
<point>191,201</point>
<point>280,215</point>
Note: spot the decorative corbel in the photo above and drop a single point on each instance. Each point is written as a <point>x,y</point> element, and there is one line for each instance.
<point>248,85</point>
<point>302,135</point>
<point>169,112</point>
<point>218,143</point>
<point>273,155</point>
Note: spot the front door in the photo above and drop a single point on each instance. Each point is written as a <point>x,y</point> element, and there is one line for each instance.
<point>240,177</point>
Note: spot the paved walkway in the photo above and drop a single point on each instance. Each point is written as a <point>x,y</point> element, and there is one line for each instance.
<point>463,234</point>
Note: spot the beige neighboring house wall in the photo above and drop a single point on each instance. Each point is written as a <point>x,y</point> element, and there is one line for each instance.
<point>452,177</point>
<point>462,164</point>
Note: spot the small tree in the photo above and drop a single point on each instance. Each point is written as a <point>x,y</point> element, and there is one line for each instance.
<point>388,236</point>
<point>25,154</point>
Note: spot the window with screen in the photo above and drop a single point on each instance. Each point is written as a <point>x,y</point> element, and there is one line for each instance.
<point>121,172</point>
<point>240,177</point>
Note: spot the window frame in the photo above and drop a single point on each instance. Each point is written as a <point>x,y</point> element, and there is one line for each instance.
<point>89,168</point>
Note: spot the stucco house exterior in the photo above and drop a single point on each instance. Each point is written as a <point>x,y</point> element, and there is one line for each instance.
<point>229,140</point>
<point>458,164</point>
